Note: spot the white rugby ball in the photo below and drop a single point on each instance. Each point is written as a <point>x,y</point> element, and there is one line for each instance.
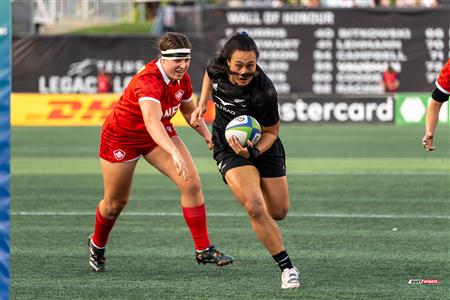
<point>244,128</point>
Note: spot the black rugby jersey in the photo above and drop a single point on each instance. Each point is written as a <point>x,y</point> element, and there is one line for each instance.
<point>258,99</point>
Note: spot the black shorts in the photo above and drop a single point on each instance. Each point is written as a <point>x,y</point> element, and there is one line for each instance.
<point>270,164</point>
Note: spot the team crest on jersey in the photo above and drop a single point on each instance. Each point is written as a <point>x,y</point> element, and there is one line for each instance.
<point>179,94</point>
<point>119,154</point>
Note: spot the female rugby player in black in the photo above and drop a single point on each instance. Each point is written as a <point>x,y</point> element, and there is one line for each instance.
<point>256,174</point>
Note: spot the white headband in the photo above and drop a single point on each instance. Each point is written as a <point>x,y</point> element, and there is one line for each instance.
<point>181,53</point>
<point>173,51</point>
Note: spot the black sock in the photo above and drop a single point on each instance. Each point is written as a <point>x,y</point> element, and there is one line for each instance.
<point>283,260</point>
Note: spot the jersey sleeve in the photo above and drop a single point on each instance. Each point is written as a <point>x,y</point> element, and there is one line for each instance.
<point>148,88</point>
<point>439,96</point>
<point>443,80</point>
<point>267,107</point>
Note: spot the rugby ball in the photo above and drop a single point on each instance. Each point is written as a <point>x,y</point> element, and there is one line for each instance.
<point>245,128</point>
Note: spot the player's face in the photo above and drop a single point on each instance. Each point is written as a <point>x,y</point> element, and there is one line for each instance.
<point>175,68</point>
<point>242,66</point>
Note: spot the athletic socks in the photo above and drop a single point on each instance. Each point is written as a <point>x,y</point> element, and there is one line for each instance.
<point>283,260</point>
<point>102,229</point>
<point>195,218</point>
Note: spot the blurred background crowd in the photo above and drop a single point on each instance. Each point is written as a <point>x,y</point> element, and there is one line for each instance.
<point>332,3</point>
<point>149,16</point>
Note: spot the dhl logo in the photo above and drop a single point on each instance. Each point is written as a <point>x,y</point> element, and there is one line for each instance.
<point>84,110</point>
<point>71,110</point>
<point>60,109</point>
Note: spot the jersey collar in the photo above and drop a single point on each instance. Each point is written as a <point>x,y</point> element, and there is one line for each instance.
<point>166,78</point>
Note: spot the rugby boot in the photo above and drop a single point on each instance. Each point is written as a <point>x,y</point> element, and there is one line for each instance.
<point>96,257</point>
<point>290,278</point>
<point>213,256</point>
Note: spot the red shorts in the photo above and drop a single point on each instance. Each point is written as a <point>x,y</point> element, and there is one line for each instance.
<point>117,147</point>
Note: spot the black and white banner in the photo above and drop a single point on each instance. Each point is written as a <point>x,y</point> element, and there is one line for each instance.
<point>75,64</point>
<point>66,64</point>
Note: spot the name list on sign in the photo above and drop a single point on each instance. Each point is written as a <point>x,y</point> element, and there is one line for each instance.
<point>277,49</point>
<point>434,40</point>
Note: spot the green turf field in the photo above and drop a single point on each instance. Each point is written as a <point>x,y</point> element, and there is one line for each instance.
<point>370,210</point>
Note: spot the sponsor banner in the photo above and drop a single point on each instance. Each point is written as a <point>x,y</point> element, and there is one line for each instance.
<point>91,110</point>
<point>69,65</point>
<point>87,64</point>
<point>70,110</point>
<point>5,132</point>
<point>411,108</point>
<point>336,109</point>
<point>60,109</point>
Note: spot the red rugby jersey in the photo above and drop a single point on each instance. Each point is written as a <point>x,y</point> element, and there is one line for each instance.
<point>443,80</point>
<point>149,84</point>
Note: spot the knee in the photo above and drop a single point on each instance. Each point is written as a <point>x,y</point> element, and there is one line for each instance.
<point>278,210</point>
<point>114,206</point>
<point>255,209</point>
<point>193,187</point>
<point>279,214</point>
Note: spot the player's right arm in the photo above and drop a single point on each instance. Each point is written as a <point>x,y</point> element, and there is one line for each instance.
<point>432,117</point>
<point>439,96</point>
<point>152,113</point>
<point>205,95</point>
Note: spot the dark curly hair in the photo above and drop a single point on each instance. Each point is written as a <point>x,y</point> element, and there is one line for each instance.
<point>239,41</point>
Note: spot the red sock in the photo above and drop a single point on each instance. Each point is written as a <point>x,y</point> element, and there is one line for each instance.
<point>102,229</point>
<point>196,220</point>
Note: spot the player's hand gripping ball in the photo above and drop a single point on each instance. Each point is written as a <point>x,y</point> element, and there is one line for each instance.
<point>245,128</point>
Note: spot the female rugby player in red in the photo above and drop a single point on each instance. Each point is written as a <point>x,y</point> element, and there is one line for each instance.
<point>139,126</point>
<point>256,175</point>
<point>439,96</point>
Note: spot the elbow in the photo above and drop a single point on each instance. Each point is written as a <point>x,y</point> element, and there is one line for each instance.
<point>272,133</point>
<point>150,123</point>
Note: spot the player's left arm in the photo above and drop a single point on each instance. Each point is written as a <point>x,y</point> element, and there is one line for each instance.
<point>186,109</point>
<point>269,119</point>
<point>268,137</point>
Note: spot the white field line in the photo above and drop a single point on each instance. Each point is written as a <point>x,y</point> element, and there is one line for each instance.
<point>178,214</point>
<point>289,173</point>
<point>369,173</point>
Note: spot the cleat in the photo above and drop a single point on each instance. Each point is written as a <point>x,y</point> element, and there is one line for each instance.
<point>213,256</point>
<point>96,257</point>
<point>290,278</point>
